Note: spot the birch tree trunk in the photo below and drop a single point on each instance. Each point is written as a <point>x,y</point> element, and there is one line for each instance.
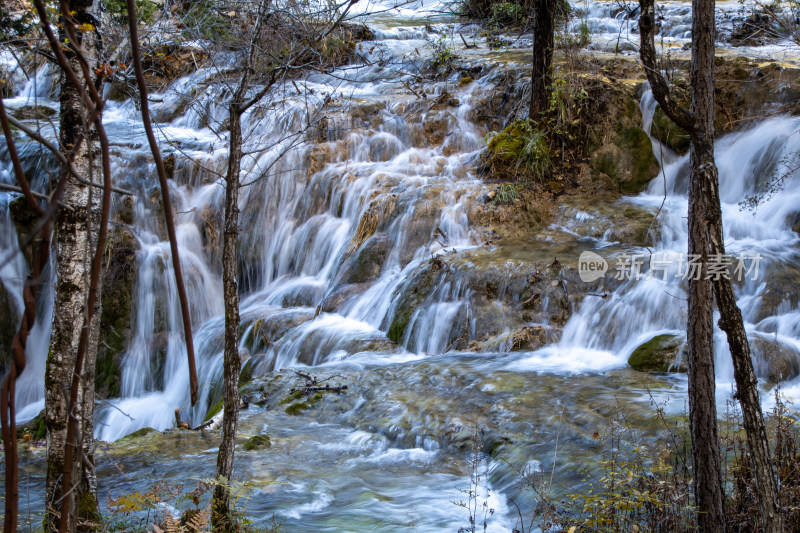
<point>75,234</point>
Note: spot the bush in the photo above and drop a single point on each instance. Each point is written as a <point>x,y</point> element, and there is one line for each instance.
<point>645,484</point>
<point>145,9</point>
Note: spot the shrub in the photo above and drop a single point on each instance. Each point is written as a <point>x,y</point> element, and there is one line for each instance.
<point>145,9</point>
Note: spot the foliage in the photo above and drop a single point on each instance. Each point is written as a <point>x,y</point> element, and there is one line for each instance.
<point>507,14</point>
<point>524,147</point>
<point>566,101</point>
<point>150,510</point>
<point>506,195</point>
<point>15,26</point>
<point>145,9</point>
<point>444,59</point>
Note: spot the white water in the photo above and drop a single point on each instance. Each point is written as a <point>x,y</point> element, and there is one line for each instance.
<point>605,331</point>
<point>300,224</point>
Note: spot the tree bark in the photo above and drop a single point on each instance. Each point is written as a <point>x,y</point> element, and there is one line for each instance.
<point>75,235</point>
<point>706,457</point>
<point>708,484</point>
<point>544,25</point>
<point>706,237</point>
<point>221,516</point>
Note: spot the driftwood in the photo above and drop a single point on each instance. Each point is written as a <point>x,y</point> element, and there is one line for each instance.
<point>315,385</point>
<point>185,425</point>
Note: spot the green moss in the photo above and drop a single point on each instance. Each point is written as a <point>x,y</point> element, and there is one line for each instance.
<point>669,133</point>
<point>297,408</point>
<point>296,395</point>
<point>89,512</point>
<point>139,433</point>
<point>398,326</point>
<point>39,427</point>
<point>656,355</point>
<point>509,143</point>
<point>246,375</point>
<point>214,410</point>
<point>257,442</point>
<point>636,142</point>
<point>466,80</point>
<point>119,277</point>
<point>521,146</point>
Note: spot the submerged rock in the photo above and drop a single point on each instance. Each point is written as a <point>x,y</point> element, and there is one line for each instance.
<point>659,354</point>
<point>257,442</point>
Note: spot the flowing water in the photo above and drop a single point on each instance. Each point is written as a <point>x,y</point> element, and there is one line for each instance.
<point>341,216</point>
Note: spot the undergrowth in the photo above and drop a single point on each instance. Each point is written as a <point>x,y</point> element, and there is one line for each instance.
<point>640,483</point>
<point>169,508</point>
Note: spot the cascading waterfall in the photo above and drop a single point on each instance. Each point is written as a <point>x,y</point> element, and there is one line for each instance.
<point>370,180</point>
<point>341,216</point>
<point>643,308</point>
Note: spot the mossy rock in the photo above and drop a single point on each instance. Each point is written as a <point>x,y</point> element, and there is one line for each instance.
<point>628,160</point>
<point>669,133</point>
<point>368,261</point>
<point>265,331</point>
<point>659,354</point>
<point>413,296</point>
<point>257,442</point>
<point>508,145</point>
<point>34,112</point>
<point>8,329</point>
<point>214,410</point>
<point>139,433</point>
<point>119,277</point>
<point>298,407</point>
<point>36,428</point>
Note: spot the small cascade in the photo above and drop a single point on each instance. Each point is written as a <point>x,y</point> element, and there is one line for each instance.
<point>655,304</point>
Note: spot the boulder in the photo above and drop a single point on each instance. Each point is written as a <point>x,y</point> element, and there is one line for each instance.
<point>669,133</point>
<point>628,160</point>
<point>257,442</point>
<point>119,277</point>
<point>659,354</point>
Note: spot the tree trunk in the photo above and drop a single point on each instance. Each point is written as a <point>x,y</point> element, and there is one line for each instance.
<point>708,484</point>
<point>732,324</point>
<point>544,25</point>
<point>221,513</point>
<point>75,237</point>
<point>706,457</point>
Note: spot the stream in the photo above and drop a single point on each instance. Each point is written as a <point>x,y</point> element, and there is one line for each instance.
<point>367,167</point>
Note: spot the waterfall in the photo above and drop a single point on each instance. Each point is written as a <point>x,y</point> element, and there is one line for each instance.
<point>605,331</point>
<point>343,212</point>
